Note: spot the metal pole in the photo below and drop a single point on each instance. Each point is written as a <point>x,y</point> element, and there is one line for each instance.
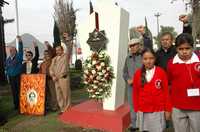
<point>17,16</point>
<point>17,22</point>
<point>157,15</point>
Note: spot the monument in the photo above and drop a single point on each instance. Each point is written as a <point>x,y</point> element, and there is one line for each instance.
<point>114,115</point>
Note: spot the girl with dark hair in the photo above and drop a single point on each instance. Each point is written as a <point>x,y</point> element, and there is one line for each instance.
<point>150,94</point>
<point>184,77</point>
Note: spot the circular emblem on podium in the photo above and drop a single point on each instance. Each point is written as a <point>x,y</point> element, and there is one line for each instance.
<point>32,97</point>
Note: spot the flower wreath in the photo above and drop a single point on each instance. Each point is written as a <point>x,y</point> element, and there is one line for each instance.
<point>98,75</point>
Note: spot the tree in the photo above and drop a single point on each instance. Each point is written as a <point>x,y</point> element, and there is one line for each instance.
<point>91,8</point>
<point>164,29</point>
<point>65,16</point>
<point>56,35</point>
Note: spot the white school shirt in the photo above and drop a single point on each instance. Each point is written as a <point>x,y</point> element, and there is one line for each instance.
<point>150,74</point>
<point>193,59</point>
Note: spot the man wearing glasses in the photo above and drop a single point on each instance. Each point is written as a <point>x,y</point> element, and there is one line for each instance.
<point>31,63</point>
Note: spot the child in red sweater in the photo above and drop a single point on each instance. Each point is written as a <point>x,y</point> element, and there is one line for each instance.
<point>150,94</point>
<point>184,78</point>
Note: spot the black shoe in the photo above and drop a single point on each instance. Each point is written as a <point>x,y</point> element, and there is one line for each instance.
<point>133,129</point>
<point>2,121</point>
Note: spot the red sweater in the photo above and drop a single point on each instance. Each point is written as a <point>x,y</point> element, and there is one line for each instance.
<point>154,96</point>
<point>180,80</point>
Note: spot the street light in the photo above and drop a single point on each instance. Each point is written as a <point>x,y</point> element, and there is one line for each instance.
<point>157,15</point>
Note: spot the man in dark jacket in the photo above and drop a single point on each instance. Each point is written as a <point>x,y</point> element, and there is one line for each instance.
<point>167,50</point>
<point>13,70</point>
<point>31,64</point>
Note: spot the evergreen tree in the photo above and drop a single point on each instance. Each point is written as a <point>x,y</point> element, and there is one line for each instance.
<point>56,35</point>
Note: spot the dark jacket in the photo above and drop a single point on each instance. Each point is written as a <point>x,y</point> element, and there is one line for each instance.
<point>187,28</point>
<point>147,42</point>
<point>162,57</point>
<point>34,61</point>
<point>14,65</point>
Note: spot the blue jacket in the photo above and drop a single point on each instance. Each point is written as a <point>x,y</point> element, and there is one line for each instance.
<point>14,65</point>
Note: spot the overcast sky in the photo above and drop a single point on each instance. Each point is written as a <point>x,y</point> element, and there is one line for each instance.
<point>36,16</point>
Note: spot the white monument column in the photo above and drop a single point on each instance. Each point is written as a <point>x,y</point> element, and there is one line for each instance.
<point>114,21</point>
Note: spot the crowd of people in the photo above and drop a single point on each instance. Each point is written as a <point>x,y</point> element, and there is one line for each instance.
<point>164,85</point>
<point>55,66</point>
<point>161,86</point>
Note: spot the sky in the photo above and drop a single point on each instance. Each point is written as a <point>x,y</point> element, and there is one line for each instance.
<point>36,16</point>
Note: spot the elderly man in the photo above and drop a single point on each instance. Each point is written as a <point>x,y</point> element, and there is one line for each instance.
<point>59,71</point>
<point>14,69</point>
<point>132,63</point>
<point>167,50</point>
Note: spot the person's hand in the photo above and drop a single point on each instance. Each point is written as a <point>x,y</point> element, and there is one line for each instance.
<point>19,38</point>
<point>167,115</point>
<point>129,81</point>
<point>140,29</point>
<point>183,18</point>
<point>34,44</point>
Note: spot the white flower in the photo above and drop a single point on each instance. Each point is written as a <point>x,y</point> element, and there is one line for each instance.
<point>89,58</point>
<point>103,71</point>
<point>103,80</point>
<point>90,91</point>
<point>96,81</point>
<point>85,82</point>
<point>89,65</point>
<point>86,72</point>
<point>95,87</point>
<point>108,68</point>
<point>106,75</point>
<point>94,72</point>
<point>106,85</point>
<point>93,96</point>
<point>100,56</point>
<point>98,68</point>
<point>102,64</point>
<point>91,77</point>
<point>100,90</point>
<point>85,76</point>
<point>98,78</point>
<point>100,73</point>
<point>96,92</point>
<point>94,62</point>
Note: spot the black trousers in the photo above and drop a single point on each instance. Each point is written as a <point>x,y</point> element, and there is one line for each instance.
<point>15,87</point>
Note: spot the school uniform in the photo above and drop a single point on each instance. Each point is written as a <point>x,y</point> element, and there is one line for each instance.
<point>184,78</point>
<point>151,100</point>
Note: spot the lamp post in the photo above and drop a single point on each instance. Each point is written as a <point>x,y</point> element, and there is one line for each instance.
<point>157,15</point>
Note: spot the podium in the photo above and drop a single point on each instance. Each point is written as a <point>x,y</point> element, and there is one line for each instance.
<point>32,94</point>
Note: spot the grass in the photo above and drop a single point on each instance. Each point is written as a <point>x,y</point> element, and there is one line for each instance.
<point>49,122</point>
